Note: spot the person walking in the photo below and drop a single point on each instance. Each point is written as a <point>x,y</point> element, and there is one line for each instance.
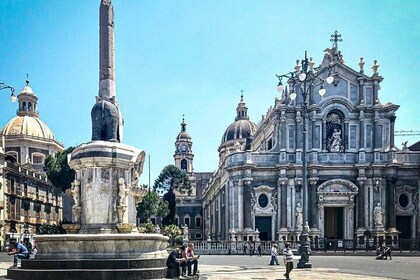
<point>288,259</point>
<point>274,253</point>
<point>259,250</point>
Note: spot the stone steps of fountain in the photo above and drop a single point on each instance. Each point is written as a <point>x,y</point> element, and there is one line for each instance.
<point>93,263</point>
<point>89,269</point>
<point>86,274</point>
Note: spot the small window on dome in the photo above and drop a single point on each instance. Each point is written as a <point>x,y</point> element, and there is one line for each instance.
<point>29,106</point>
<point>23,105</point>
<point>38,158</point>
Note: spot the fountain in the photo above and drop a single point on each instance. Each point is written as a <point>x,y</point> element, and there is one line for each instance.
<point>103,242</point>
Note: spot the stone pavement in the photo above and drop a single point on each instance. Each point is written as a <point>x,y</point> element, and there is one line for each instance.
<point>213,272</point>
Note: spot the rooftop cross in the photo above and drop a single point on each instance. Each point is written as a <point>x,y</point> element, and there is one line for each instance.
<point>335,38</point>
<point>242,95</point>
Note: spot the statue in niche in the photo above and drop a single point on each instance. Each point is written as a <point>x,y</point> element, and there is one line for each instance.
<point>334,142</point>
<point>299,215</point>
<point>106,120</point>
<point>75,192</point>
<point>248,141</point>
<point>123,191</point>
<point>378,215</point>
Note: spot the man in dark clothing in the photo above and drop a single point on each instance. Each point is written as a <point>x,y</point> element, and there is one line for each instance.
<point>176,259</point>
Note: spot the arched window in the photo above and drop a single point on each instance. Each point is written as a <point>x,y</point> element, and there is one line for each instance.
<point>184,165</point>
<point>23,106</point>
<point>11,157</point>
<point>335,132</point>
<point>29,106</point>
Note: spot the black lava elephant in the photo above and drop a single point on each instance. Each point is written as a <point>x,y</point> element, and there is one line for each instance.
<point>105,120</point>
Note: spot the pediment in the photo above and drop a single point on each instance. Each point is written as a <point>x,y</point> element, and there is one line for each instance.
<point>337,186</point>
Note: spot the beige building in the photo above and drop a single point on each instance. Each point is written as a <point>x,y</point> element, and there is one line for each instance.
<point>28,199</point>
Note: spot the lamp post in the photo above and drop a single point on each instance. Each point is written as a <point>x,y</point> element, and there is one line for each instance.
<point>12,90</point>
<point>302,81</point>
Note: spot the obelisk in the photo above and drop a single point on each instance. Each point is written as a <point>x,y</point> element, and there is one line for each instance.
<point>106,50</point>
<point>107,122</point>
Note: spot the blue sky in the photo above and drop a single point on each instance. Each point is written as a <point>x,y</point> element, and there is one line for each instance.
<point>193,58</point>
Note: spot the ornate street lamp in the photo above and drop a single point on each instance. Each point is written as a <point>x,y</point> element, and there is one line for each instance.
<point>12,90</point>
<point>302,81</point>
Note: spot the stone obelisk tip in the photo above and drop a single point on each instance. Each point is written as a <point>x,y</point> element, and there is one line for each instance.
<point>106,50</point>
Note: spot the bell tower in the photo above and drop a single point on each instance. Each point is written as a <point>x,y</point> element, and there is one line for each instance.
<point>183,150</point>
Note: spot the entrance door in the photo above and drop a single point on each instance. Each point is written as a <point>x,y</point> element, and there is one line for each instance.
<point>334,222</point>
<point>263,224</point>
<point>404,226</point>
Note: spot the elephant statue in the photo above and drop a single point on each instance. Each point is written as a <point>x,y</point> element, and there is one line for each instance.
<point>106,120</point>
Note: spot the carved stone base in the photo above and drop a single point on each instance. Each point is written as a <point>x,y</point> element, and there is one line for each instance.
<point>125,227</point>
<point>71,228</point>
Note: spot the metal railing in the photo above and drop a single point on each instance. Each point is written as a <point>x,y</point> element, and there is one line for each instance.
<point>316,244</point>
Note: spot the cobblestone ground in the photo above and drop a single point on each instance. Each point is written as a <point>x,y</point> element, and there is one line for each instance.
<point>212,272</point>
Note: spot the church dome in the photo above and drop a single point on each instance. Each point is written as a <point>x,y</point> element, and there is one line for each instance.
<point>239,130</point>
<point>241,126</point>
<point>183,135</point>
<point>28,126</point>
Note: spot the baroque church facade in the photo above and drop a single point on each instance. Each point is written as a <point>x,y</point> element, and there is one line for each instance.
<point>358,183</point>
<point>27,198</point>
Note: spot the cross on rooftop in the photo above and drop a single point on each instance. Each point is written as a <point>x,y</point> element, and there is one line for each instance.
<point>335,38</point>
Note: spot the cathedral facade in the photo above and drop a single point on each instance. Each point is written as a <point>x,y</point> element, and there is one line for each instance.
<point>27,198</point>
<point>358,181</point>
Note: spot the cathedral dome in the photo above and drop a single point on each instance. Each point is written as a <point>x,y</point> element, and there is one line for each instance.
<point>238,130</point>
<point>28,126</point>
<point>241,126</point>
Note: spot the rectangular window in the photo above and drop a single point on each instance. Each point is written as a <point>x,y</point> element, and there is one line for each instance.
<point>177,221</point>
<point>317,132</point>
<point>291,136</point>
<point>153,220</point>
<point>354,94</point>
<point>187,221</point>
<point>378,138</point>
<point>368,136</point>
<point>369,95</point>
<point>353,136</point>
<point>198,222</point>
<point>270,144</point>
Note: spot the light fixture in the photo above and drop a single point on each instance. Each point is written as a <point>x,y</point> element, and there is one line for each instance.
<point>292,95</point>
<point>330,79</point>
<point>13,98</point>
<point>302,76</point>
<point>280,87</point>
<point>322,90</point>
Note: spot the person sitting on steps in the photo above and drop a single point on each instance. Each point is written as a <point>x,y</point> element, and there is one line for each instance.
<point>19,251</point>
<point>192,260</point>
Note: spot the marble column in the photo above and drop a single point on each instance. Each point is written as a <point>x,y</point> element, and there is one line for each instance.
<point>360,202</point>
<point>247,203</point>
<point>391,203</point>
<point>392,133</point>
<point>362,129</point>
<point>283,202</point>
<point>324,134</point>
<point>312,211</point>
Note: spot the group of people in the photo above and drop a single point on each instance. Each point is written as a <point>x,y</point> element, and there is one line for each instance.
<point>287,258</point>
<point>251,249</point>
<point>383,252</point>
<point>184,258</point>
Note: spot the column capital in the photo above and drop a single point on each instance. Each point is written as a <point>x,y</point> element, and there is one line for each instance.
<point>392,119</point>
<point>247,181</point>
<point>361,181</point>
<point>283,181</point>
<point>313,180</point>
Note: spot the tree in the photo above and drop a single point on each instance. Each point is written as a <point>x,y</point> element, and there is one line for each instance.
<point>172,231</point>
<point>170,179</point>
<point>150,205</point>
<point>58,171</point>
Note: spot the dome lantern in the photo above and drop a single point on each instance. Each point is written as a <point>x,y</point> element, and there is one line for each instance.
<point>28,101</point>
